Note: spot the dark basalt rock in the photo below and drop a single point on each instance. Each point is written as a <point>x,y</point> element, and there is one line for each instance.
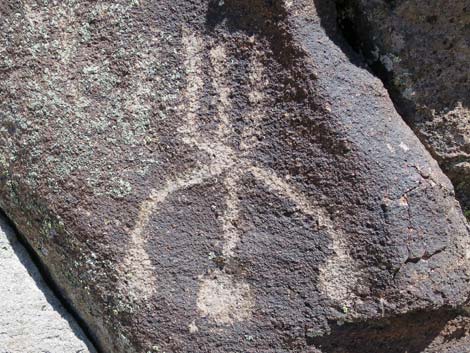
<point>204,176</point>
<point>421,50</point>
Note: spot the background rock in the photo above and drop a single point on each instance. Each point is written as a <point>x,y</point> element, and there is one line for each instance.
<point>32,320</point>
<point>218,176</point>
<point>422,51</point>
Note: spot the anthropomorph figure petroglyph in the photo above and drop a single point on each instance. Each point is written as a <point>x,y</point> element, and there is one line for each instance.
<point>222,298</point>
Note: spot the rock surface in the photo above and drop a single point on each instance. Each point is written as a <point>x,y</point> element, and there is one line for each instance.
<point>422,51</point>
<point>32,320</point>
<point>219,176</point>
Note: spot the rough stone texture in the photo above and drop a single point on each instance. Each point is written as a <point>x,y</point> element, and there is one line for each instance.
<point>436,332</point>
<point>205,176</point>
<point>422,51</point>
<point>32,320</point>
<point>441,331</point>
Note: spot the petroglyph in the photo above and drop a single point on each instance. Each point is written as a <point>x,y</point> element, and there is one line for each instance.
<point>256,96</point>
<point>222,297</point>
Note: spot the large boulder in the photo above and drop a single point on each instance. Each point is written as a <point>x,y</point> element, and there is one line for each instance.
<point>219,176</point>
<point>422,51</point>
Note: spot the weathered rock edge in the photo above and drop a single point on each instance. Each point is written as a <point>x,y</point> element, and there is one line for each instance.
<point>217,176</point>
<point>422,52</point>
<point>32,318</point>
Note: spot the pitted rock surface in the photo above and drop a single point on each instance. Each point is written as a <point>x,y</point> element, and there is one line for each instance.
<point>32,320</point>
<point>422,51</point>
<point>218,176</point>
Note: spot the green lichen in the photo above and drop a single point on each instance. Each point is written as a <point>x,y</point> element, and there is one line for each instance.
<point>121,188</point>
<point>249,338</point>
<point>4,166</point>
<point>467,214</point>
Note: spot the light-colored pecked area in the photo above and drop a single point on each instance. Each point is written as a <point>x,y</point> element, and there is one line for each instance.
<point>32,320</point>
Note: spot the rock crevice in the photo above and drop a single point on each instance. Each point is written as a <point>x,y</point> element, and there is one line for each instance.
<point>33,319</point>
<point>421,54</point>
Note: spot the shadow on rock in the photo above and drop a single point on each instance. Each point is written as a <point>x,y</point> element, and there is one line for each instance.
<point>411,333</point>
